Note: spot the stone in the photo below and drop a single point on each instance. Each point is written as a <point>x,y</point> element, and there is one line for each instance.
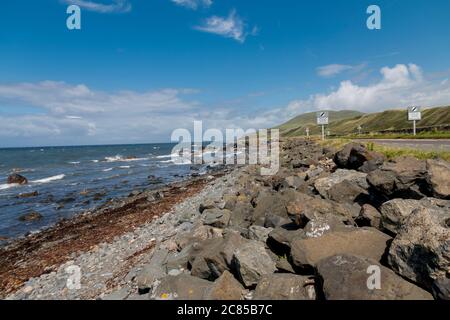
<point>421,250</point>
<point>285,286</point>
<point>356,156</point>
<point>215,256</point>
<point>251,262</point>
<point>369,216</point>
<point>208,204</point>
<point>17,179</point>
<point>367,242</point>
<point>438,178</point>
<point>226,287</point>
<point>28,195</point>
<point>273,221</point>
<point>324,185</point>
<point>319,226</point>
<point>181,287</point>
<point>280,239</point>
<point>216,217</point>
<point>441,288</point>
<point>259,233</point>
<point>198,233</point>
<point>31,216</point>
<point>347,277</point>
<point>293,182</point>
<point>268,203</point>
<point>155,269</point>
<point>394,212</point>
<point>403,177</point>
<point>120,294</point>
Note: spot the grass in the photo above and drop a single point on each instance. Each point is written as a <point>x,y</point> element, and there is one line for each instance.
<point>346,123</point>
<point>420,135</point>
<point>390,152</point>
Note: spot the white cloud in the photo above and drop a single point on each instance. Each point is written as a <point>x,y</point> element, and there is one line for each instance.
<point>111,6</point>
<point>78,114</point>
<point>193,4</point>
<point>400,86</point>
<point>230,27</point>
<point>332,70</point>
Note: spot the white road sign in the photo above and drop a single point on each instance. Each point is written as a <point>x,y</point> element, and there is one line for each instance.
<point>414,114</point>
<point>322,118</point>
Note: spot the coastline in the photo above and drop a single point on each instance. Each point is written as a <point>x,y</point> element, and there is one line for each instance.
<point>45,251</point>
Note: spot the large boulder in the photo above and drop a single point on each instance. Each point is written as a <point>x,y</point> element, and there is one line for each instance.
<point>305,208</point>
<point>441,288</point>
<point>355,178</point>
<point>31,216</point>
<point>403,177</point>
<point>285,286</point>
<point>369,216</point>
<point>181,287</point>
<point>268,203</point>
<point>356,156</point>
<point>216,218</point>
<point>421,249</point>
<point>17,179</point>
<point>251,262</point>
<point>215,256</point>
<point>348,277</point>
<point>226,287</point>
<point>153,270</point>
<point>366,242</point>
<point>394,212</point>
<point>438,178</point>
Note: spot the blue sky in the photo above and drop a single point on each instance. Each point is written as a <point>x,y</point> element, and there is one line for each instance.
<point>139,69</point>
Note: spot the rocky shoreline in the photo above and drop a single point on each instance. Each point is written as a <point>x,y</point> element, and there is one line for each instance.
<point>331,224</point>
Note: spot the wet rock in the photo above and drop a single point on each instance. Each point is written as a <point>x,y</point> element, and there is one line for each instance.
<point>226,287</point>
<point>251,262</point>
<point>216,217</point>
<point>421,249</point>
<point>155,269</point>
<point>17,179</point>
<point>366,242</point>
<point>284,286</point>
<point>28,195</point>
<point>347,277</point>
<point>31,216</point>
<point>181,287</point>
<point>438,178</point>
<point>404,177</point>
<point>369,217</point>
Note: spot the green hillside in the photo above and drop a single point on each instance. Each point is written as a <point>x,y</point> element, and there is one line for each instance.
<point>347,122</point>
<point>297,125</point>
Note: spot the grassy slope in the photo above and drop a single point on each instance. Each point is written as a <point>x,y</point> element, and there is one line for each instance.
<point>347,122</point>
<point>297,125</point>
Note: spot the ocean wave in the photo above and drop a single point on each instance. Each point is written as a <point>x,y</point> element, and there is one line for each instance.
<point>125,167</point>
<point>106,170</point>
<point>74,162</point>
<point>7,186</point>
<point>95,160</point>
<point>119,158</point>
<point>49,179</point>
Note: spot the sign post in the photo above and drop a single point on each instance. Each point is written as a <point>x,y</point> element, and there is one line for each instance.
<point>359,129</point>
<point>307,132</point>
<point>414,114</point>
<point>322,120</point>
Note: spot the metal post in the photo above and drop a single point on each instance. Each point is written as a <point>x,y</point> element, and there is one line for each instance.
<point>323,132</point>
<point>414,127</point>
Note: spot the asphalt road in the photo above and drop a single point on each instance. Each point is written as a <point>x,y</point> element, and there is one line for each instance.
<point>420,144</point>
